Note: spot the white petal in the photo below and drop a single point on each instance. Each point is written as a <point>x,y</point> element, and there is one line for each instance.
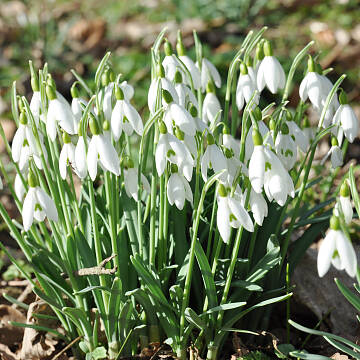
<point>29,208</point>
<point>205,163</point>
<point>346,253</point>
<point>108,155</point>
<point>257,168</point>
<point>18,142</point>
<point>92,158</point>
<point>80,158</point>
<point>160,154</point>
<point>223,219</point>
<point>349,122</point>
<point>346,208</point>
<point>241,214</point>
<point>134,118</point>
<point>19,187</point>
<point>325,253</point>
<point>176,191</point>
<point>258,206</point>
<point>183,119</point>
<point>63,114</point>
<point>336,156</point>
<point>117,117</point>
<point>63,162</point>
<point>194,71</point>
<point>213,72</point>
<point>47,203</point>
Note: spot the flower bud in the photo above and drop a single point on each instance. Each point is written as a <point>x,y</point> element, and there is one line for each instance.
<point>174,168</point>
<point>179,45</point>
<point>80,129</point>
<point>50,81</point>
<point>257,138</point>
<point>106,125</point>
<point>66,138</point>
<point>343,98</point>
<point>334,223</point>
<point>167,96</point>
<point>160,71</point>
<point>162,127</point>
<point>210,88</point>
<point>306,122</point>
<point>105,78</point>
<point>50,92</point>
<point>178,77</point>
<point>268,51</point>
<point>74,91</point>
<point>334,141</point>
<point>243,69</point>
<point>249,61</point>
<point>34,79</point>
<point>344,189</point>
<point>193,110</point>
<point>222,190</point>
<point>167,48</point>
<point>257,114</point>
<point>179,134</point>
<point>272,124</point>
<point>23,118</point>
<point>226,130</point>
<point>259,51</point>
<point>311,64</point>
<point>210,139</point>
<point>119,94</point>
<point>94,127</point>
<point>20,103</point>
<point>32,180</point>
<point>111,75</point>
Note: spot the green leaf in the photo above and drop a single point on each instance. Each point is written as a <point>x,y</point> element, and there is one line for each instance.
<point>354,192</point>
<point>39,328</point>
<point>91,288</point>
<point>100,69</point>
<point>342,347</point>
<point>194,319</point>
<point>206,274</point>
<point>307,356</point>
<point>282,351</point>
<point>225,307</point>
<point>98,353</point>
<point>351,297</point>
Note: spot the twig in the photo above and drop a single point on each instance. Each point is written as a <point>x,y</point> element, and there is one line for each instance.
<point>67,347</point>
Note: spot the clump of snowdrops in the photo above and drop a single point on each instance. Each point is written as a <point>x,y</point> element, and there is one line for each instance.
<point>169,227</point>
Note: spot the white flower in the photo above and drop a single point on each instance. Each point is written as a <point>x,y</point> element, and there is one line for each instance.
<point>345,203</point>
<point>286,149</point>
<point>35,106</point>
<point>231,143</point>
<point>19,187</point>
<point>59,112</point>
<point>178,189</point>
<point>336,155</point>
<point>336,249</point>
<point>249,144</point>
<point>208,73</point>
<point>171,65</point>
<point>164,84</point>
<point>211,109</point>
<point>124,117</point>
<point>171,148</point>
<point>301,140</point>
<point>278,184</point>
<point>231,213</point>
<point>67,156</point>
<point>185,95</point>
<point>193,70</point>
<point>37,204</point>
<point>270,73</point>
<point>314,88</point>
<point>177,115</point>
<point>213,157</point>
<point>246,87</point>
<point>80,158</point>
<point>131,183</point>
<point>258,207</point>
<point>257,166</point>
<point>346,118</point>
<point>101,149</point>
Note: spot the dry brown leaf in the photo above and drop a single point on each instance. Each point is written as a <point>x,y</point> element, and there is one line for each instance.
<point>9,334</point>
<point>6,353</point>
<point>338,356</point>
<point>35,345</point>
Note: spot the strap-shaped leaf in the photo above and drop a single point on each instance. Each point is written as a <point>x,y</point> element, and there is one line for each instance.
<point>225,307</point>
<point>351,297</point>
<point>194,319</point>
<point>307,356</point>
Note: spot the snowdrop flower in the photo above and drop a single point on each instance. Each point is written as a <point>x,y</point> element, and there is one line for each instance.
<point>286,148</point>
<point>35,106</point>
<point>80,157</point>
<point>101,149</point>
<point>234,167</point>
<point>178,189</point>
<point>336,249</point>
<point>246,87</point>
<point>171,148</point>
<point>211,106</point>
<point>231,213</point>
<point>345,202</point>
<point>209,73</point>
<point>259,56</point>
<point>270,72</point>
<point>230,142</point>
<point>258,206</point>
<point>186,96</point>
<point>170,63</point>
<point>131,180</point>
<point>278,184</point>
<point>264,132</point>
<point>77,104</point>
<point>58,112</point>
<point>67,155</point>
<point>19,187</point>
<point>257,163</point>
<point>124,117</point>
<point>212,157</point>
<point>177,115</point>
<point>346,118</point>
<point>24,145</point>
<point>308,131</point>
<point>300,139</point>
<point>165,84</point>
<point>336,154</point>
<point>190,65</point>
<point>37,204</point>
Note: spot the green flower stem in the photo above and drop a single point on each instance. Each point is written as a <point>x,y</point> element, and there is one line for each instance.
<point>161,244</point>
<point>234,110</point>
<point>197,176</point>
<point>166,216</point>
<point>153,208</point>
<point>74,201</point>
<point>212,224</point>
<point>195,229</point>
<point>234,255</point>
<point>252,245</point>
<point>110,199</point>
<point>96,235</point>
